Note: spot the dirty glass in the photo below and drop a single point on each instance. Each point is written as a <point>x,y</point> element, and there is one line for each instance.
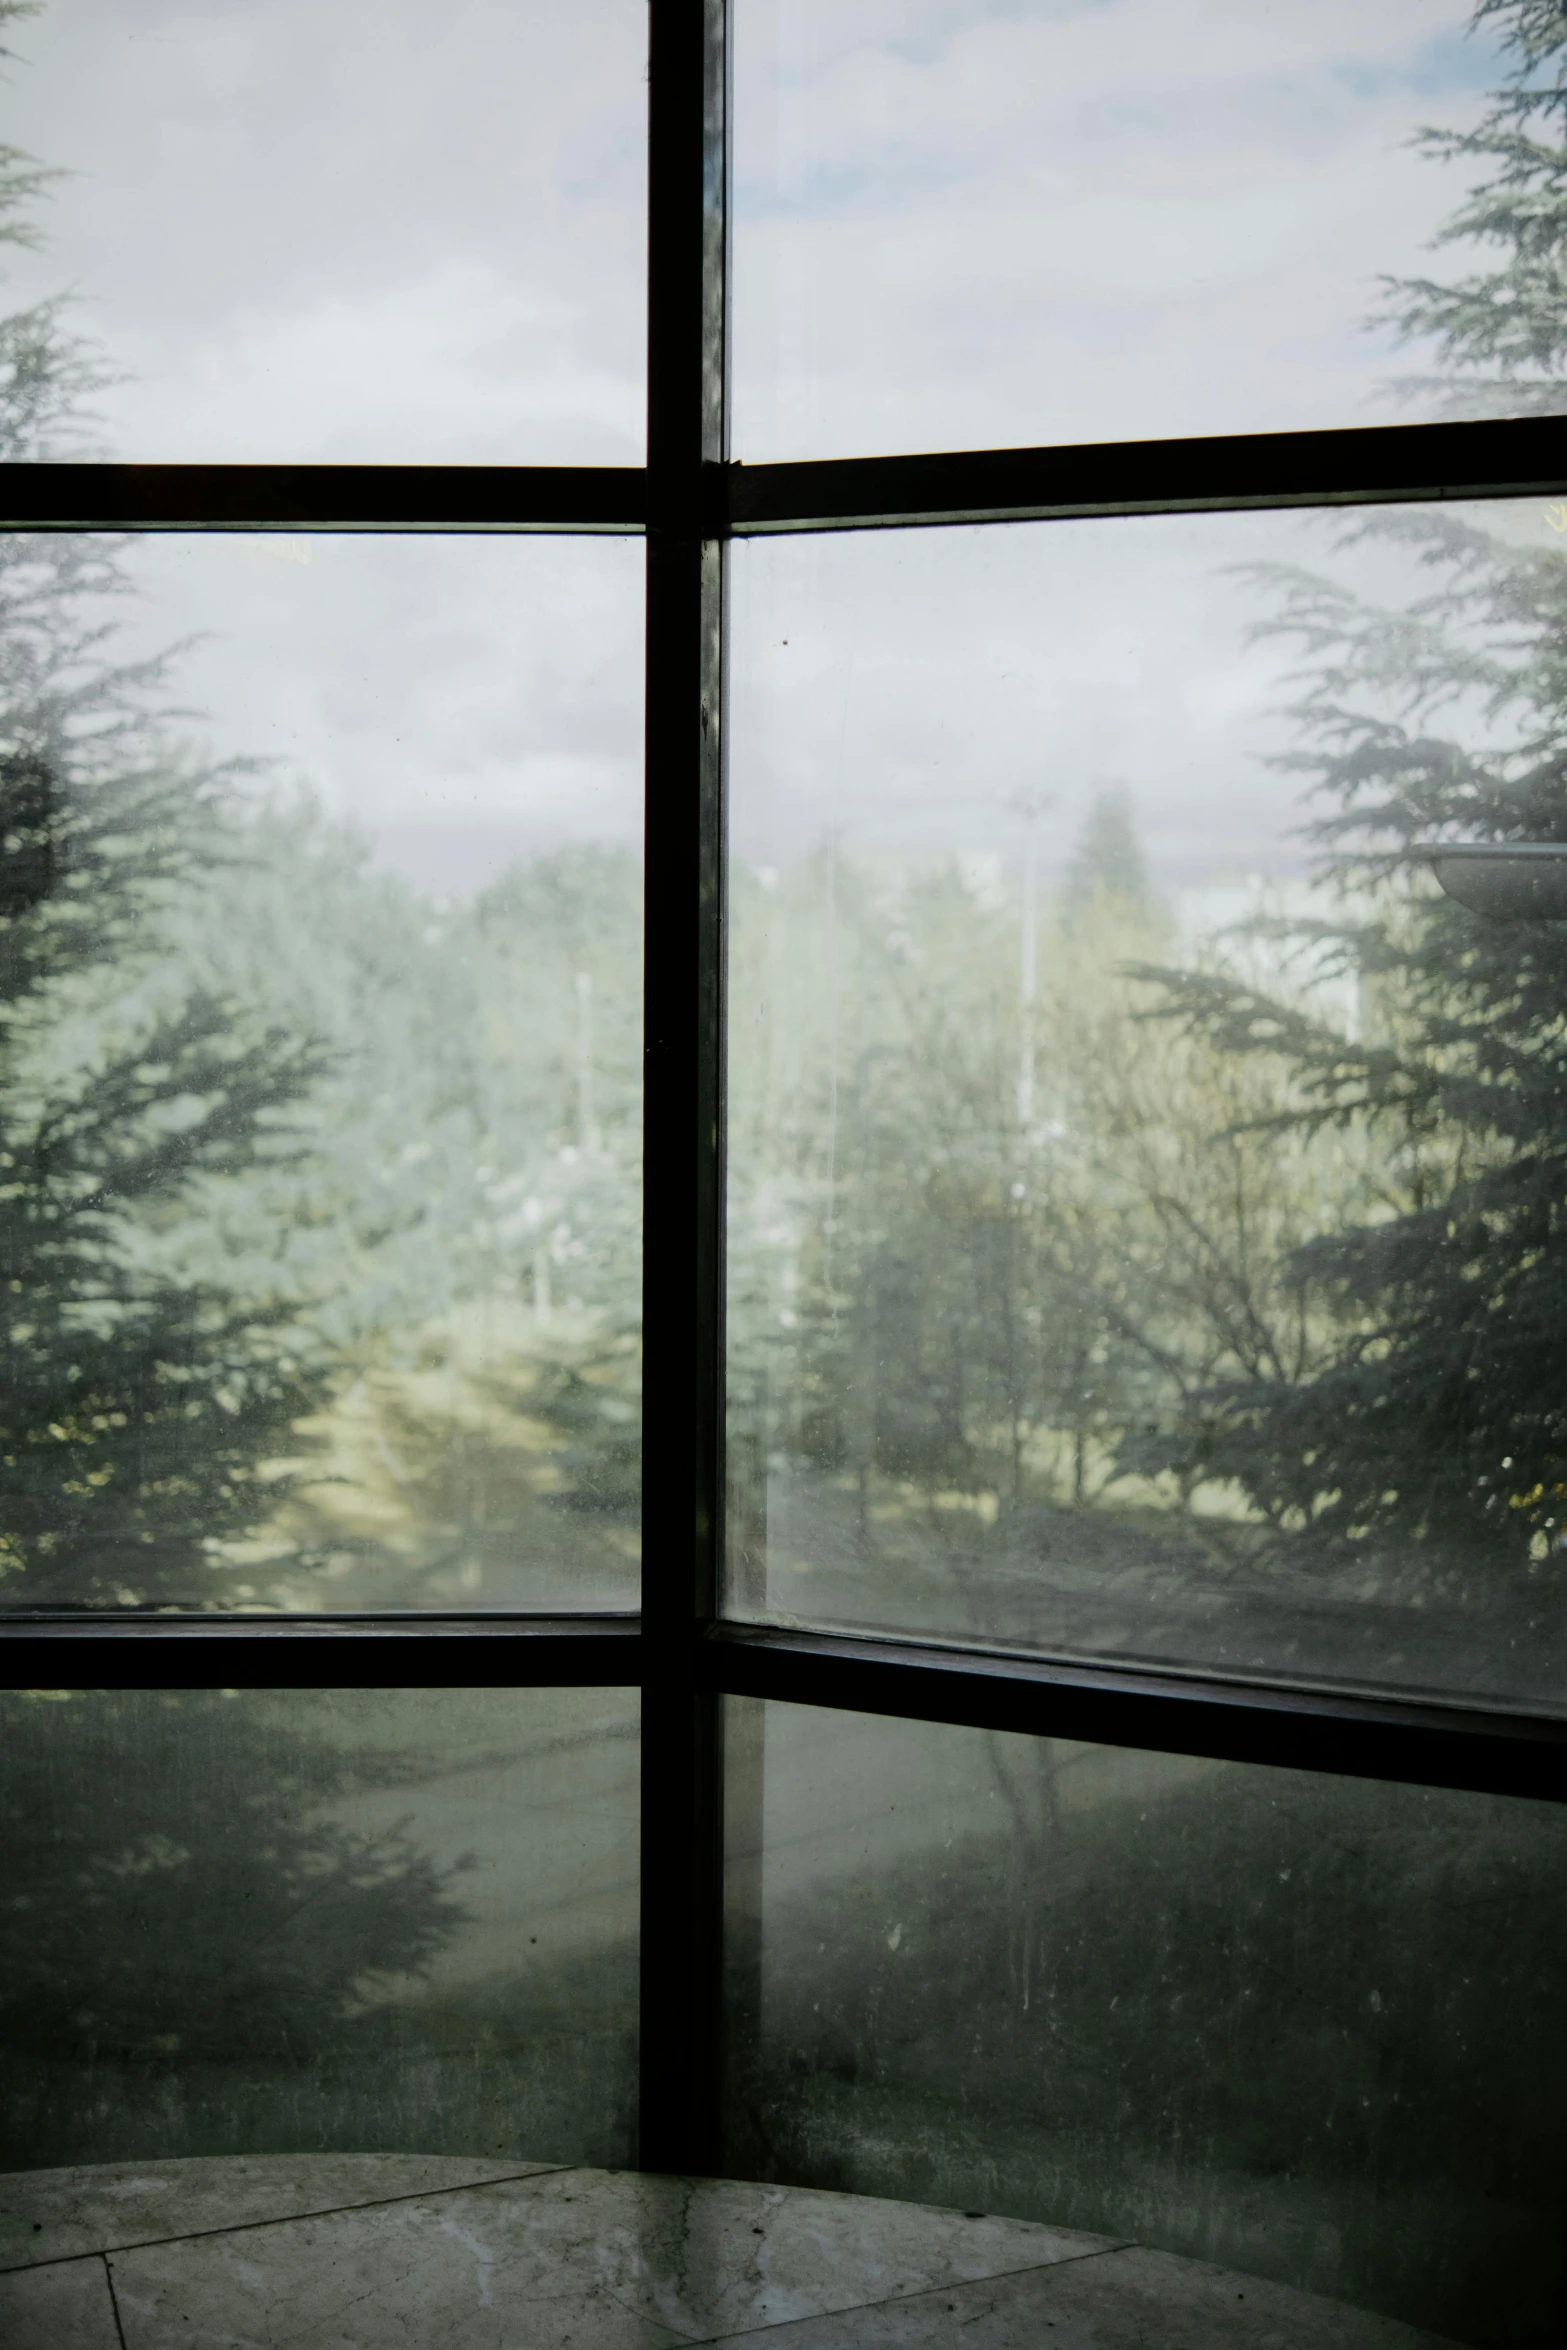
<point>350,1920</point>
<point>1306,2027</point>
<point>320,1035</point>
<point>287,233</point>
<point>993,223</point>
<point>1145,1181</point>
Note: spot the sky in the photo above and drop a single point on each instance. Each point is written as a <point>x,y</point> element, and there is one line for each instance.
<point>326,230</point>
<point>967,223</point>
<point>347,230</point>
<point>905,690</point>
<point>462,701</point>
<point>332,230</point>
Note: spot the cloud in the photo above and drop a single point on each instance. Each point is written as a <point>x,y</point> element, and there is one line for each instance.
<point>469,699</point>
<point>393,232</point>
<point>365,230</point>
<point>986,226</point>
<point>901,689</point>
<point>370,232</point>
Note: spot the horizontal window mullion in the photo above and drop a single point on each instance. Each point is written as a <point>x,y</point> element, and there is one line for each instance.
<point>1379,464</point>
<point>1376,465</point>
<point>1349,1733</point>
<point>569,499</point>
<point>322,1651</point>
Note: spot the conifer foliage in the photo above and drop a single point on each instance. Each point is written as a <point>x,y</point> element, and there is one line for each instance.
<point>135,1406</point>
<point>1438,1428</point>
<point>1499,331</point>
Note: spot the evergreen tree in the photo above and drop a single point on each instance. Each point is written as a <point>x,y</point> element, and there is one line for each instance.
<point>136,1405</point>
<point>137,1399</point>
<point>46,373</point>
<point>178,1891</point>
<point>1500,332</point>
<point>1109,856</point>
<point>1437,1430</point>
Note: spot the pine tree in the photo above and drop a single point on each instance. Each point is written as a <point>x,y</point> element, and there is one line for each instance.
<point>1500,332</point>
<point>182,1903</point>
<point>136,1406</point>
<point>1108,857</point>
<point>1436,1434</point>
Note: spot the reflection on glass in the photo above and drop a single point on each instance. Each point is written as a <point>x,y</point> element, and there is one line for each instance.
<point>319,1073</point>
<point>393,233</point>
<point>1310,2028</point>
<point>355,1920</point>
<point>965,225</point>
<point>1145,1182</point>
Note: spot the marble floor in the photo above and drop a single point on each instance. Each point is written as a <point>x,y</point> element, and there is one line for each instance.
<point>378,2252</point>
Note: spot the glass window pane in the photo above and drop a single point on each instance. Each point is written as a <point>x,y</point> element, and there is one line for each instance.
<point>381,232</point>
<point>1310,2028</point>
<point>1145,1229</point>
<point>981,224</point>
<point>320,1071</point>
<point>341,1920</point>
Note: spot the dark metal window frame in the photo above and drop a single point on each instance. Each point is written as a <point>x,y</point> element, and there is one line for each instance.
<point>688,502</point>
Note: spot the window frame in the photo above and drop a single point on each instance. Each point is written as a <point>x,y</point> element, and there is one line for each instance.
<point>688,502</point>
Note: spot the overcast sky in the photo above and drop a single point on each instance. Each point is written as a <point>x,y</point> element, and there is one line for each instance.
<point>371,230</point>
<point>905,688</point>
<point>997,222</point>
<point>349,229</point>
<point>378,229</point>
<point>465,701</point>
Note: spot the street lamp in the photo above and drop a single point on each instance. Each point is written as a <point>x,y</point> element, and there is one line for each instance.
<point>1507,881</point>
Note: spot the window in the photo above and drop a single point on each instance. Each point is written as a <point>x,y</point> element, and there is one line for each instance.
<point>1063,1194</point>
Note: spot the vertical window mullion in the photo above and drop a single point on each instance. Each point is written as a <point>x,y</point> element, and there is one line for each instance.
<point>682,1246</point>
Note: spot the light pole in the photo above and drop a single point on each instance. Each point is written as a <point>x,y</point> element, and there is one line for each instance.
<point>587,1125</point>
<point>1030,806</point>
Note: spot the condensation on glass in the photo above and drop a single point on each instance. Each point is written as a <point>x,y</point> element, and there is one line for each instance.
<point>398,234</point>
<point>971,225</point>
<point>1145,1231</point>
<point>353,1920</point>
<point>1305,2027</point>
<point>320,1035</point>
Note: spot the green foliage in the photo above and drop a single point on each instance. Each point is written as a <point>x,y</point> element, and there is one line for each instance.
<point>986,1247</point>
<point>1500,332</point>
<point>1055,1207</point>
<point>175,1891</point>
<point>1437,1428</point>
<point>1439,1419</point>
<point>244,1922</point>
<point>1109,858</point>
<point>274,1132</point>
<point>136,1405</point>
<point>1302,2026</point>
<point>464,1249</point>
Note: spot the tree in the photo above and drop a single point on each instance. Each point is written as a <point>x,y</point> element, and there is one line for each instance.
<point>1500,333</point>
<point>46,372</point>
<point>922,1267</point>
<point>137,1405</point>
<point>138,1401</point>
<point>1436,1433</point>
<point>177,1891</point>
<point>464,1259</point>
<point>1109,858</point>
<point>197,1952</point>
